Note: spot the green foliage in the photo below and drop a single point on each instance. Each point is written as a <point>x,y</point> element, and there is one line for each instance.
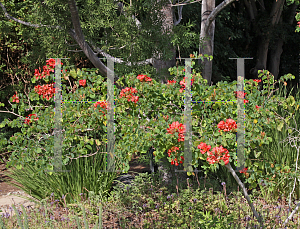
<point>80,175</point>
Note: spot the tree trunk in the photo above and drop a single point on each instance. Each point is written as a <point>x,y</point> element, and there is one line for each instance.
<point>209,13</point>
<point>207,38</point>
<point>161,65</point>
<point>262,54</point>
<point>275,53</point>
<point>274,60</point>
<point>262,51</point>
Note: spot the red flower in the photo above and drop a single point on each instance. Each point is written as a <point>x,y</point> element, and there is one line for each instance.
<point>205,148</point>
<point>128,93</point>
<point>28,119</point>
<point>37,74</point>
<point>173,149</point>
<point>257,80</point>
<point>16,98</point>
<point>177,127</point>
<point>103,104</point>
<point>46,90</point>
<point>82,82</point>
<point>217,154</point>
<point>171,81</point>
<point>244,170</point>
<point>51,63</point>
<point>257,107</point>
<point>182,83</point>
<point>228,126</point>
<point>166,117</point>
<point>144,78</point>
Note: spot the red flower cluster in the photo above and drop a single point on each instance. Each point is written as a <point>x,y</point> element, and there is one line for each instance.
<point>257,80</point>
<point>144,78</point>
<point>171,82</point>
<point>28,119</point>
<point>49,67</point>
<point>103,104</point>
<point>218,153</point>
<point>16,98</point>
<point>244,170</point>
<point>51,63</point>
<point>128,93</point>
<point>173,149</point>
<point>177,127</point>
<point>205,148</point>
<point>46,72</point>
<point>229,125</point>
<point>180,128</point>
<point>82,82</point>
<point>182,83</point>
<point>257,107</point>
<point>174,161</point>
<point>46,90</point>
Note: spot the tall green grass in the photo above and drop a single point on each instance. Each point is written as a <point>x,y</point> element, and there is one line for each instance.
<point>280,152</point>
<point>85,175</point>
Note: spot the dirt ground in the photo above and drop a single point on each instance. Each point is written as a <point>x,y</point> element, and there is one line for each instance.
<point>5,187</point>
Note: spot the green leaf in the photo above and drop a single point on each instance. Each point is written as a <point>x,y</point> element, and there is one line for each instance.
<point>279,127</point>
<point>228,136</point>
<point>73,73</point>
<point>257,154</point>
<point>216,134</point>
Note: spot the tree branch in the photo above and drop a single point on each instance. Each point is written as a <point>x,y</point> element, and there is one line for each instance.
<point>26,23</point>
<point>186,3</point>
<point>78,36</point>
<point>250,10</point>
<point>215,12</point>
<point>179,10</point>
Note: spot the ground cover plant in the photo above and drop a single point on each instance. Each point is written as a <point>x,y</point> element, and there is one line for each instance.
<point>175,209</point>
